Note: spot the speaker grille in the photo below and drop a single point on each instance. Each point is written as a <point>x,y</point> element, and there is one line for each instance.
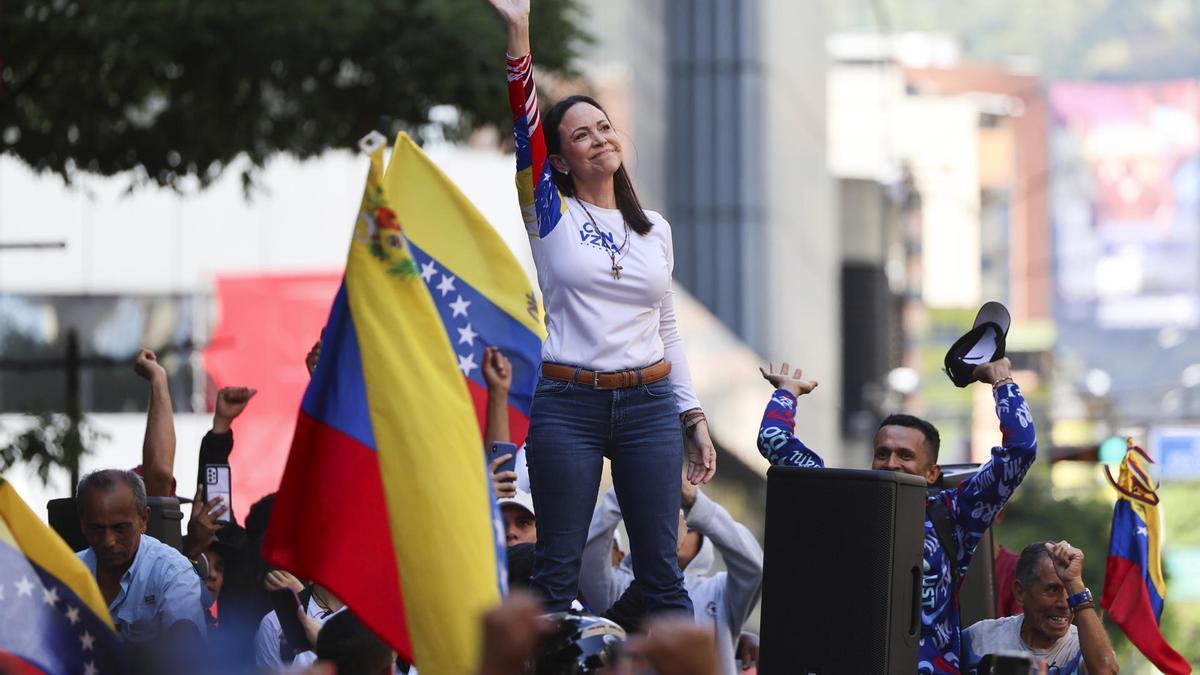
<point>831,570</point>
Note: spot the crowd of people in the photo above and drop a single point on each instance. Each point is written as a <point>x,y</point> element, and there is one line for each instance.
<point>619,582</point>
<point>207,606</point>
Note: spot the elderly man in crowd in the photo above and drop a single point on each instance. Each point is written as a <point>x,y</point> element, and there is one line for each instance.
<point>152,591</point>
<point>1059,626</point>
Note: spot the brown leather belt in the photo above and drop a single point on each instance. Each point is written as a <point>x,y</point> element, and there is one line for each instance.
<point>613,379</point>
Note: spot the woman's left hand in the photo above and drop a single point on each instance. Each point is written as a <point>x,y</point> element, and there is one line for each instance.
<point>701,455</point>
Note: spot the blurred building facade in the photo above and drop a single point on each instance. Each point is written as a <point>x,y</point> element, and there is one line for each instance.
<point>725,103</point>
<point>942,174</point>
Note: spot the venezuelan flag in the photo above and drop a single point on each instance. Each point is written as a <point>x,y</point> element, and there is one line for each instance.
<point>384,498</point>
<point>52,616</point>
<point>1133,582</point>
<point>482,294</point>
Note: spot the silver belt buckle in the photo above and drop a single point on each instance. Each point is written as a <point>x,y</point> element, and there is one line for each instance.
<point>595,379</point>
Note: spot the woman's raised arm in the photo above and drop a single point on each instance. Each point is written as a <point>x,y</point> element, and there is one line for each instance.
<point>541,203</point>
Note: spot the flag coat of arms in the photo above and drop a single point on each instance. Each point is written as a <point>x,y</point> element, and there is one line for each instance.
<point>385,499</point>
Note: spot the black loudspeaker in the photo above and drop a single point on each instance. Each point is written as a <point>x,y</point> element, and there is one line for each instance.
<point>64,519</point>
<point>842,572</point>
<point>977,596</point>
<point>166,521</point>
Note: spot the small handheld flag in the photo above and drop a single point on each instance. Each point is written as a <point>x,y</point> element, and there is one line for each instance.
<point>1134,589</point>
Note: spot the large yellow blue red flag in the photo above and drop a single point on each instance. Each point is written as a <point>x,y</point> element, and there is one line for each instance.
<point>1134,589</point>
<point>385,499</point>
<point>482,294</point>
<point>53,618</point>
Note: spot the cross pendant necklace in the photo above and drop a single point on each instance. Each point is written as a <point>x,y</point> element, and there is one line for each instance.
<point>612,248</point>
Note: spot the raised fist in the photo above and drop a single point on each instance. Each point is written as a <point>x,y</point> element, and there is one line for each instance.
<point>147,367</point>
<point>231,401</point>
<point>1068,562</point>
<point>497,370</point>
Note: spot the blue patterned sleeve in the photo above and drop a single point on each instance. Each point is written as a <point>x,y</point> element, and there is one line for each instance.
<point>776,441</point>
<point>978,499</point>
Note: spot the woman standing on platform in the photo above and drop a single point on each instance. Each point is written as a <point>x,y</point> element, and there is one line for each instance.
<point>614,381</point>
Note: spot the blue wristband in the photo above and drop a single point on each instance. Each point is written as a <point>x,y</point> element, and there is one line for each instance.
<point>1083,597</point>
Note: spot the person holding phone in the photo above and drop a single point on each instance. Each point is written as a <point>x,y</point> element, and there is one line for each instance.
<point>614,380</point>
<point>509,473</point>
<point>502,467</point>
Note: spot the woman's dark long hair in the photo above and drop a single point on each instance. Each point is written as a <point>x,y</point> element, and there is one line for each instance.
<point>627,200</point>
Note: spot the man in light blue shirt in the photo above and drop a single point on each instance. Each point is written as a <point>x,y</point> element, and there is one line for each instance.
<point>152,591</point>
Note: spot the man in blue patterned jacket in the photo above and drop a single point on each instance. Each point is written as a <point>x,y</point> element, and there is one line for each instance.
<point>910,445</point>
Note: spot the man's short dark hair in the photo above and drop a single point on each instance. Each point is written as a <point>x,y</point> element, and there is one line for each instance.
<point>105,479</point>
<point>1027,571</point>
<point>350,645</point>
<point>933,440</point>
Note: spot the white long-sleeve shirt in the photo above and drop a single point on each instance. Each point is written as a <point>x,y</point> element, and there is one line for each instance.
<point>600,323</point>
<point>594,321</point>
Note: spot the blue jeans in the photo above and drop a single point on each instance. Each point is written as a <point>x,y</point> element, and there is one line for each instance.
<point>572,428</point>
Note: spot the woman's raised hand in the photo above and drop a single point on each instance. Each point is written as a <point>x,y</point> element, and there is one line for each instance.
<point>516,15</point>
<point>513,11</point>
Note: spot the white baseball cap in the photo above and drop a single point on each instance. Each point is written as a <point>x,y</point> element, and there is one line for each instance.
<point>522,499</point>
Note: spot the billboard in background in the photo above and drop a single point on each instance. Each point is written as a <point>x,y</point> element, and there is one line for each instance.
<point>264,327</point>
<point>1126,203</point>
<point>1125,214</point>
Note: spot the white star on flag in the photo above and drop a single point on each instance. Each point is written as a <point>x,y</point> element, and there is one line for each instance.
<point>73,615</point>
<point>24,587</point>
<point>86,640</point>
<point>460,306</point>
<point>50,596</point>
<point>447,284</point>
<point>427,271</point>
<point>467,335</point>
<point>1143,531</point>
<point>466,364</point>
<point>89,668</point>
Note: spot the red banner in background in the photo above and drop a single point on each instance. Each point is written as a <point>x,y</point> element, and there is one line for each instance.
<point>264,327</point>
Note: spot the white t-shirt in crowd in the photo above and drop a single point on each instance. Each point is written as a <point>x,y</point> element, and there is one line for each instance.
<point>994,636</point>
<point>270,634</point>
<point>600,323</point>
